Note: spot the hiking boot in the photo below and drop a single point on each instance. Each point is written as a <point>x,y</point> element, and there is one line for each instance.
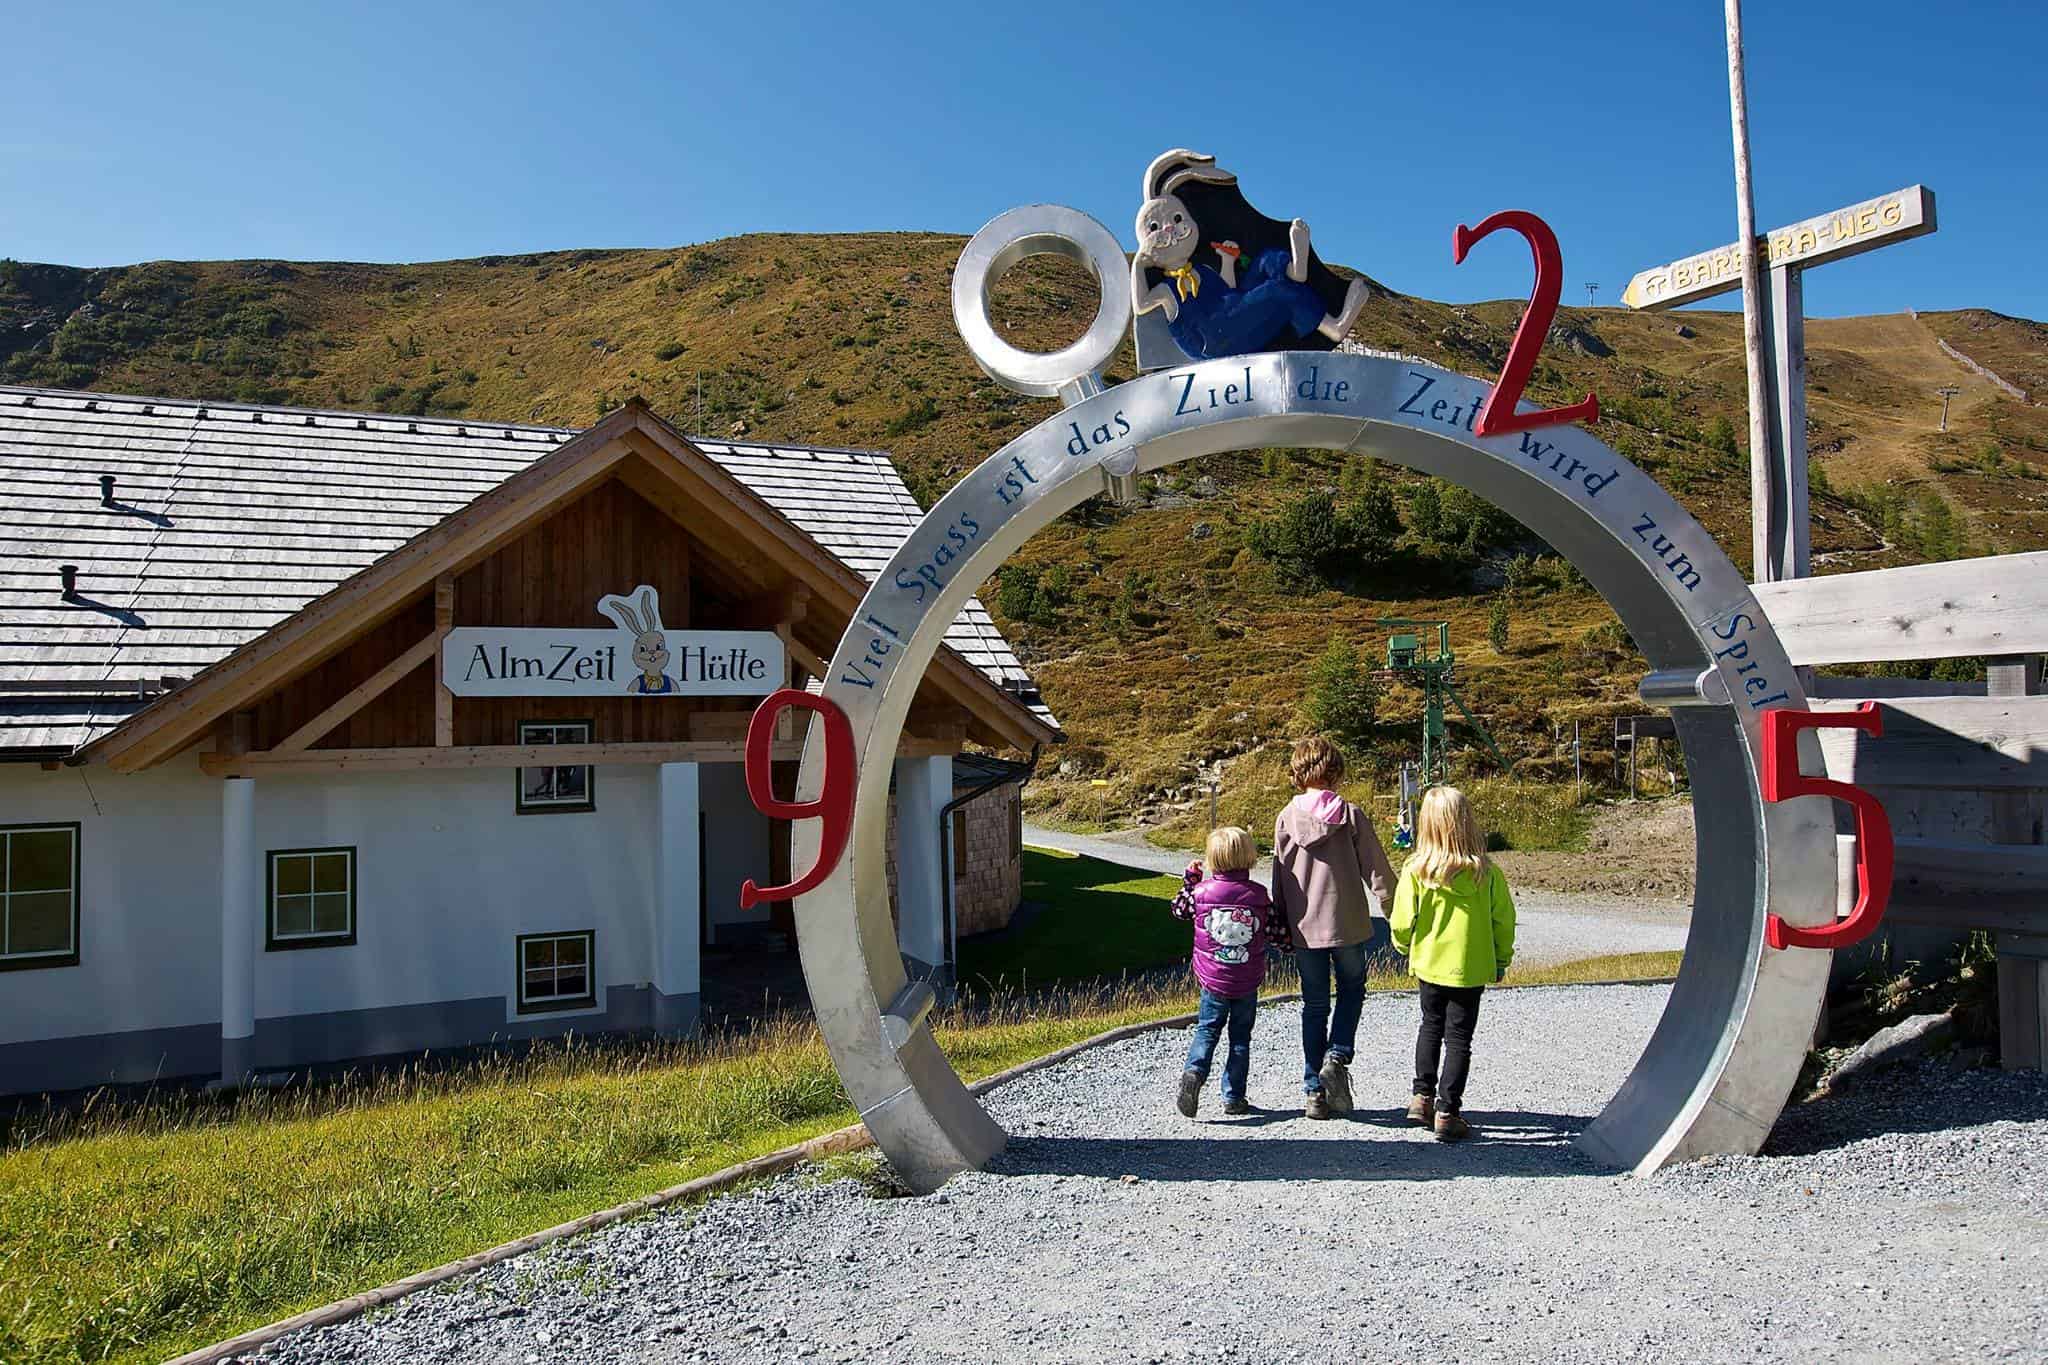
<point>1336,1085</point>
<point>1237,1108</point>
<point>1422,1110</point>
<point>1316,1105</point>
<point>1190,1096</point>
<point>1451,1128</point>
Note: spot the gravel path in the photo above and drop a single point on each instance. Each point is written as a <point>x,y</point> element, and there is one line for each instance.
<point>1115,1230</point>
<point>1550,926</point>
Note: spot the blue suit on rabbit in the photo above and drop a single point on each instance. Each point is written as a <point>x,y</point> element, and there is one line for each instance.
<point>1265,311</point>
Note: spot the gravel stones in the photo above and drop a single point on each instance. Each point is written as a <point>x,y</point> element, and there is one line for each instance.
<point>1904,1221</point>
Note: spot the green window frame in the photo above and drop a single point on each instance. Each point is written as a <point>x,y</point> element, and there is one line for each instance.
<point>566,790</point>
<point>40,870</point>
<point>309,895</point>
<point>556,971</point>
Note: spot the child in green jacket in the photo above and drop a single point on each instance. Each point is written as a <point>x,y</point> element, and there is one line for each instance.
<point>1454,919</point>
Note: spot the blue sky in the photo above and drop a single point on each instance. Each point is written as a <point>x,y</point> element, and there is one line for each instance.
<point>424,131</point>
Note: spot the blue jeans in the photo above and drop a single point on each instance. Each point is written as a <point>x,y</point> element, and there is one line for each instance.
<point>1324,1033</point>
<point>1216,1011</point>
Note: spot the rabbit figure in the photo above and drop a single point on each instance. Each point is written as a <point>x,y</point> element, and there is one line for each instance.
<point>1265,298</point>
<point>650,646</point>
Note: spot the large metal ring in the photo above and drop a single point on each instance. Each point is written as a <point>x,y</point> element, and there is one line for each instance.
<point>1728,1049</point>
<point>1041,230</point>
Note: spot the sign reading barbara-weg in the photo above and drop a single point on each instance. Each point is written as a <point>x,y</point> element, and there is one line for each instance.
<point>1831,236</point>
<point>637,659</point>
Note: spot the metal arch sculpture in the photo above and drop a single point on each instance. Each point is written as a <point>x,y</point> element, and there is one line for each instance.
<point>1723,1058</point>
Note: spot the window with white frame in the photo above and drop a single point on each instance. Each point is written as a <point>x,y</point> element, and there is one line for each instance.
<point>38,896</point>
<point>555,971</point>
<point>312,895</point>
<point>557,789</point>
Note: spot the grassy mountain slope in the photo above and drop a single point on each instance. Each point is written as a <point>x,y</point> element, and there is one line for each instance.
<point>1171,644</point>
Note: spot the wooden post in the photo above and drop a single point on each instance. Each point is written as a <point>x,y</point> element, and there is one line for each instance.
<point>1577,775</point>
<point>1634,742</point>
<point>1790,532</point>
<point>2022,1001</point>
<point>444,700</point>
<point>1760,461</point>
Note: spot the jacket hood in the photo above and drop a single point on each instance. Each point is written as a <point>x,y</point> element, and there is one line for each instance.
<point>1314,816</point>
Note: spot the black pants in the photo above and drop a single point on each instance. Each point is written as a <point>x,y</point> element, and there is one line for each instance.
<point>1449,1014</point>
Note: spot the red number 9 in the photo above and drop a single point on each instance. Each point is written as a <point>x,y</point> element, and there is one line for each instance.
<point>834,805</point>
<point>1781,781</point>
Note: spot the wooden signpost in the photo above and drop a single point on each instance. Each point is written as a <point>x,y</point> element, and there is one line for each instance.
<point>1781,538</point>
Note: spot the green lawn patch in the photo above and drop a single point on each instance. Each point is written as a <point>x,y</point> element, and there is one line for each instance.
<point>1096,919</point>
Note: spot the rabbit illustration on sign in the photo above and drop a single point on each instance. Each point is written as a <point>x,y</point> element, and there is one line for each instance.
<point>1230,279</point>
<point>650,646</point>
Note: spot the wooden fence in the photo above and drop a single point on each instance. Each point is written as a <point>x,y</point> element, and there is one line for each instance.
<point>1962,769</point>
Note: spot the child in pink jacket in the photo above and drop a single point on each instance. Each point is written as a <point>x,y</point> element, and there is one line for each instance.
<point>1330,877</point>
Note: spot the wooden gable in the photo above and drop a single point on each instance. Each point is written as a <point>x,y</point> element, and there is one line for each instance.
<point>352,677</point>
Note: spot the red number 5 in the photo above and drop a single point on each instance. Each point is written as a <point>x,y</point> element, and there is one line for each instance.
<point>1782,780</point>
<point>834,805</point>
<point>1498,417</point>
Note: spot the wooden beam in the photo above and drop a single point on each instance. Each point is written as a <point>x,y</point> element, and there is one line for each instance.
<point>271,762</point>
<point>1828,688</point>
<point>1996,605</point>
<point>813,664</point>
<point>1945,913</point>
<point>1972,743</point>
<point>444,621</point>
<point>478,756</point>
<point>781,608</point>
<point>1967,876</point>
<point>359,696</point>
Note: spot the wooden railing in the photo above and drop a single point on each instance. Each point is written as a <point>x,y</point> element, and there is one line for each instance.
<point>1962,769</point>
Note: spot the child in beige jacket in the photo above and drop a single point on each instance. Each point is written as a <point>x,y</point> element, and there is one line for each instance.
<point>1330,877</point>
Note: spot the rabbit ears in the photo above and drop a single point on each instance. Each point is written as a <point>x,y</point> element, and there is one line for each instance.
<point>639,617</point>
<point>1170,170</point>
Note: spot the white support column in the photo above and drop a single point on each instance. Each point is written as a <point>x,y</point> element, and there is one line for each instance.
<point>923,873</point>
<point>241,925</point>
<point>678,917</point>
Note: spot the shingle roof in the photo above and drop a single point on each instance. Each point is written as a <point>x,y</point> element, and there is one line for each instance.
<point>226,519</point>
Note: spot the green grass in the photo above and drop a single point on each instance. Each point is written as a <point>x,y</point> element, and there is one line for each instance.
<point>1099,920</point>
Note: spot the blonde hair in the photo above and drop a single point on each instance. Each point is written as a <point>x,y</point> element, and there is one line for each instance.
<point>1447,838</point>
<point>1230,850</point>
<point>1315,761</point>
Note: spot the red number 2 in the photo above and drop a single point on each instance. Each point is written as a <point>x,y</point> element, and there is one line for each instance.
<point>834,805</point>
<point>1498,417</point>
<point>1781,780</point>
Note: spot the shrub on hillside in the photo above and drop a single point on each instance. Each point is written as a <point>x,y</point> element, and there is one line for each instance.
<point>1024,594</point>
<point>1497,625</point>
<point>1315,541</point>
<point>1342,696</point>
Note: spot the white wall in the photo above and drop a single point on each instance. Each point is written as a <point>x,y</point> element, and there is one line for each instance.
<point>448,875</point>
<point>149,932</point>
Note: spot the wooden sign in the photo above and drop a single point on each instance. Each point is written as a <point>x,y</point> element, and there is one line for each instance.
<point>1846,232</point>
<point>637,659</point>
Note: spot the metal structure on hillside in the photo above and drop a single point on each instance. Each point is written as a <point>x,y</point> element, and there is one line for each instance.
<point>1410,660</point>
<point>1724,1058</point>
